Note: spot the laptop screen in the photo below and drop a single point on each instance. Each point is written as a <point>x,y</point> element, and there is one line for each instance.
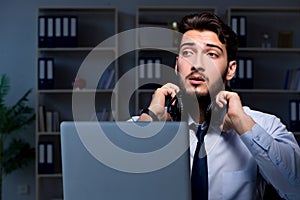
<point>125,160</point>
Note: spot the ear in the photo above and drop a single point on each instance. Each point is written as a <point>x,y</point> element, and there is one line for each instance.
<point>176,66</point>
<point>231,70</point>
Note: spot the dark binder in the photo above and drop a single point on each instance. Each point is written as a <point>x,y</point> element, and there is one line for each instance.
<point>58,38</point>
<point>294,109</point>
<point>248,73</point>
<point>242,31</point>
<point>50,32</point>
<point>239,26</point>
<point>69,31</point>
<point>45,158</point>
<point>238,80</point>
<point>42,73</point>
<point>73,31</point>
<point>49,73</point>
<point>42,31</point>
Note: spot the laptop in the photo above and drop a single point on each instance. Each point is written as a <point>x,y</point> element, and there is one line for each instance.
<point>125,160</point>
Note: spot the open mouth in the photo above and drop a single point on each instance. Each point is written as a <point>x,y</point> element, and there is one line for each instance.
<point>196,79</point>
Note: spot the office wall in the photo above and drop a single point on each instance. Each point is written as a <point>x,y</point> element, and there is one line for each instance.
<point>18,51</point>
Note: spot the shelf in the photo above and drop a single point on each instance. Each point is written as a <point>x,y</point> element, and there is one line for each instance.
<point>256,10</point>
<point>269,50</point>
<point>48,133</point>
<point>71,91</point>
<point>268,91</point>
<point>77,49</point>
<point>58,175</point>
<point>76,33</point>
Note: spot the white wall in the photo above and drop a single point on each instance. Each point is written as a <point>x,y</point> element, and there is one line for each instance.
<point>18,50</point>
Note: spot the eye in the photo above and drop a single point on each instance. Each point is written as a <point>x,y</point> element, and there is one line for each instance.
<point>187,52</point>
<point>212,55</point>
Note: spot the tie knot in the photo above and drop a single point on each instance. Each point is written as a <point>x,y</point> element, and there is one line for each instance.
<point>202,130</point>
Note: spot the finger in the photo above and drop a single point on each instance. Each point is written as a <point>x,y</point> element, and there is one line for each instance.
<point>171,89</point>
<point>221,99</point>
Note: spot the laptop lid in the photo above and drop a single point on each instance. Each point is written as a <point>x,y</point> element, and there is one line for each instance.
<point>125,160</point>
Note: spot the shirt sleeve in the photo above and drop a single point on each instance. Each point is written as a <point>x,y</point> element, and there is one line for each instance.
<point>277,155</point>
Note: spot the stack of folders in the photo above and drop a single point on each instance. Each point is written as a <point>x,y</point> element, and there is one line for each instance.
<point>150,69</point>
<point>295,115</point>
<point>243,78</point>
<point>239,26</point>
<point>57,31</point>
<point>45,158</point>
<point>45,73</point>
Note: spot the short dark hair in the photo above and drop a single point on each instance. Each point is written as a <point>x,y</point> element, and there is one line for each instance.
<point>210,21</point>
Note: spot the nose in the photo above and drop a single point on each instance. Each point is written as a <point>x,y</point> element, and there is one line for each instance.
<point>198,63</point>
<point>195,69</point>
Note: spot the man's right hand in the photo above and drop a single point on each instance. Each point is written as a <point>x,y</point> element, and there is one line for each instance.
<point>157,105</point>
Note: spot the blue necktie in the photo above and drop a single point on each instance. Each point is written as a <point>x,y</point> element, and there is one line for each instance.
<point>199,178</point>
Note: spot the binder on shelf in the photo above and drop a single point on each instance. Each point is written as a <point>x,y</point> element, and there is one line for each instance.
<point>243,78</point>
<point>41,73</point>
<point>141,68</point>
<point>149,67</point>
<point>239,26</point>
<point>73,31</point>
<point>49,121</point>
<point>49,156</point>
<point>241,72</point>
<point>242,31</point>
<point>58,32</point>
<point>65,31</point>
<point>294,115</point>
<point>69,31</point>
<point>157,68</point>
<point>41,118</point>
<point>234,24</point>
<point>42,31</point>
<point>56,123</point>
<point>45,73</point>
<point>50,32</point>
<point>249,74</point>
<point>45,158</point>
<point>50,73</point>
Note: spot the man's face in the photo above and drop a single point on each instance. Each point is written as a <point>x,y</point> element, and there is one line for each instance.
<point>202,63</point>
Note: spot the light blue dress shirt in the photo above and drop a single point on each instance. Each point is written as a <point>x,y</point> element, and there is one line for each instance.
<point>239,166</point>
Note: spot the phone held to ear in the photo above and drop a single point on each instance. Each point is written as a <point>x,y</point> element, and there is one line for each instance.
<point>175,106</point>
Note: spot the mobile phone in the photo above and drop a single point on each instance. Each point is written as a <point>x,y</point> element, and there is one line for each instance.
<point>175,106</point>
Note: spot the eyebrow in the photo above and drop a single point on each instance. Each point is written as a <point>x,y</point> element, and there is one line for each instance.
<point>207,44</point>
<point>213,45</point>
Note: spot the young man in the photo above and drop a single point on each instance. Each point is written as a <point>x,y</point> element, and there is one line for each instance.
<point>252,147</point>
